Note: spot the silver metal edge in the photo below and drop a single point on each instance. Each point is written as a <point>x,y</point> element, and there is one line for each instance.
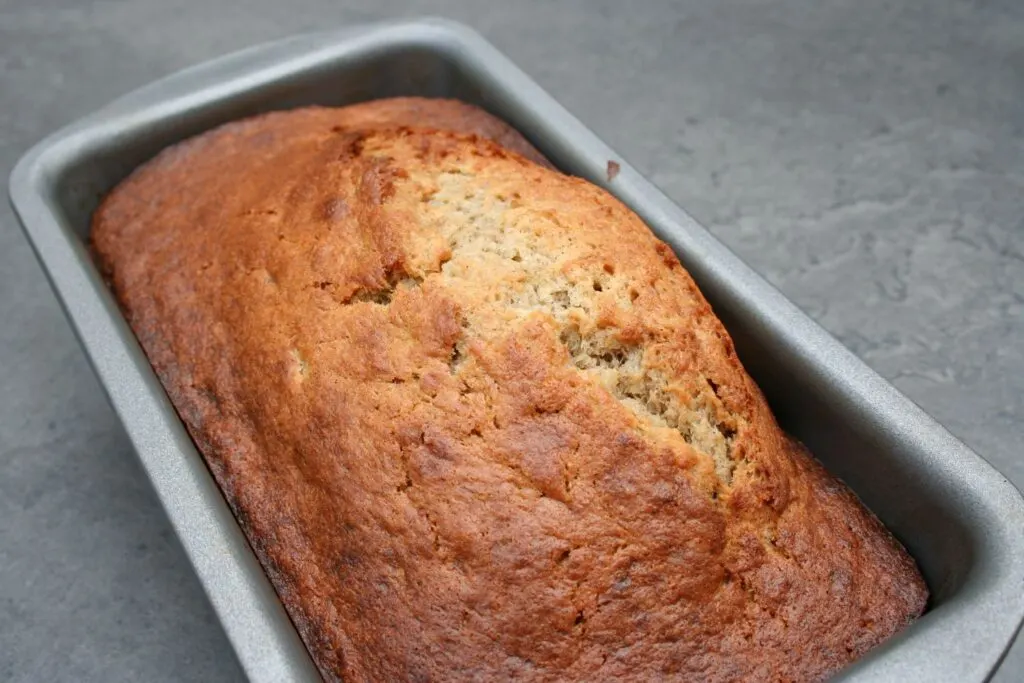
<point>953,632</point>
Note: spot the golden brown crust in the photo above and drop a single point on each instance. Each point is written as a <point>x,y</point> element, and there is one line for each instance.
<point>448,115</point>
<point>477,422</point>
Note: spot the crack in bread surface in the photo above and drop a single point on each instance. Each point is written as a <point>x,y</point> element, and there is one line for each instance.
<point>524,262</point>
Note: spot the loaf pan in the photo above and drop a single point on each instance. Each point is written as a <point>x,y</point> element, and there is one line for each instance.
<point>961,520</point>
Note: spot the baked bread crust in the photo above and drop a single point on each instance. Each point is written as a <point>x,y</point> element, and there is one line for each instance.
<point>475,420</point>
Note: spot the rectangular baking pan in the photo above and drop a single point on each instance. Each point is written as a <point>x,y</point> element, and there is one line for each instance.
<point>961,520</point>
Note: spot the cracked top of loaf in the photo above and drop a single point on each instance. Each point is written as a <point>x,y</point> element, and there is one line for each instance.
<point>476,421</point>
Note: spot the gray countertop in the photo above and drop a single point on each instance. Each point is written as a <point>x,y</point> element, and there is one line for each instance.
<point>866,156</point>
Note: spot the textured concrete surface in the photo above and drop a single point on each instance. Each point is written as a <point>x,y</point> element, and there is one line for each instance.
<point>866,156</point>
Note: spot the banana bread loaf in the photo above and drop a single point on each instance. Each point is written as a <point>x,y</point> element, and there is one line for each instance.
<point>475,420</point>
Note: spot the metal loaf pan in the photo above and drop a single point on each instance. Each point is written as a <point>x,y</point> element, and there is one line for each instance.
<point>962,520</point>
